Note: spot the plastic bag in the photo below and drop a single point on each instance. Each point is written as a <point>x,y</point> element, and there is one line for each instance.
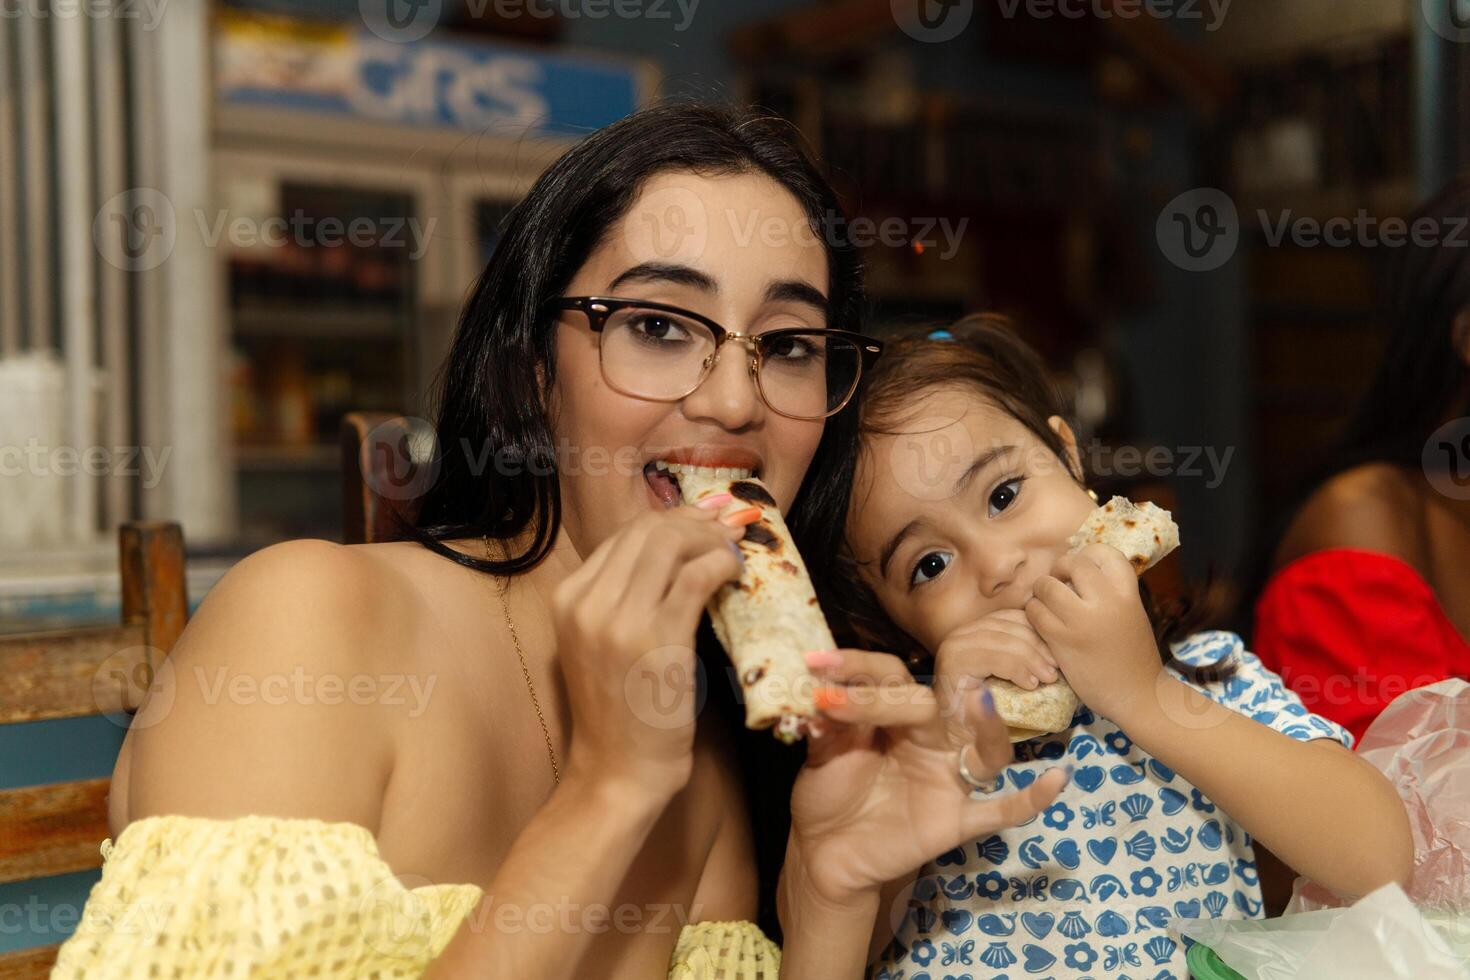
<point>1421,742</point>
<point>1382,937</point>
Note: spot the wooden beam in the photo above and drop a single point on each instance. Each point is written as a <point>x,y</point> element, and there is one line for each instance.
<point>53,829</point>
<point>73,673</point>
<point>28,964</point>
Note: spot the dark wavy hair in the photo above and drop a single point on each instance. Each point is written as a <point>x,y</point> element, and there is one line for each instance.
<point>492,401</point>
<point>987,356</point>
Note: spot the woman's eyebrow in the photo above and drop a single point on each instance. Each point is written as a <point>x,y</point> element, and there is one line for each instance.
<point>669,272</point>
<point>796,291</point>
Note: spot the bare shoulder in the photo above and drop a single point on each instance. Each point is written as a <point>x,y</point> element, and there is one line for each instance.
<point>267,702</point>
<point>1373,507</point>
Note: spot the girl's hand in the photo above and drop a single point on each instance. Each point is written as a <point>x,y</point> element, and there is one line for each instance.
<point>1090,613</point>
<point>880,793</point>
<point>1002,644</point>
<point>625,623</point>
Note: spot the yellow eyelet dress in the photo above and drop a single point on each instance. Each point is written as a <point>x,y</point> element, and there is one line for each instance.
<point>282,898</point>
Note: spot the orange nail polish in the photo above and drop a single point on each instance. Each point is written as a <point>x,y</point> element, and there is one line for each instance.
<point>743,517</point>
<point>830,697</point>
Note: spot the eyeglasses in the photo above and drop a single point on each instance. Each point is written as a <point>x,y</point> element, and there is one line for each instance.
<point>663,353</point>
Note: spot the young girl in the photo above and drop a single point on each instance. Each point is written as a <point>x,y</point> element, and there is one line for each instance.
<point>1185,755</point>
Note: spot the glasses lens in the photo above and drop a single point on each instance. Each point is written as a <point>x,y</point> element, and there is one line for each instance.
<point>653,354</point>
<point>808,375</point>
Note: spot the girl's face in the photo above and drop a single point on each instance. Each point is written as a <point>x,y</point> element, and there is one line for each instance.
<point>737,249</point>
<point>958,515</point>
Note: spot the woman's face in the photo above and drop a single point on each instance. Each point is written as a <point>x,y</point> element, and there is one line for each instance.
<point>960,513</point>
<point>737,249</point>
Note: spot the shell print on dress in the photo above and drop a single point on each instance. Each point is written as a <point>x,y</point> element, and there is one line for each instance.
<point>1137,806</point>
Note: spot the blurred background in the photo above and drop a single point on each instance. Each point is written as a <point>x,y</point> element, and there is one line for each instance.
<point>225,225</point>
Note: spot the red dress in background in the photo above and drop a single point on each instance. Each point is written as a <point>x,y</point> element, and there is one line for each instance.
<point>1351,630</point>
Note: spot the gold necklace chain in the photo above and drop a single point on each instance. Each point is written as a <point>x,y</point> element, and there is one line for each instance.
<point>525,670</point>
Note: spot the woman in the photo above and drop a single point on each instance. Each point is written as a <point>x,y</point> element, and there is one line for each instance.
<point>557,800</point>
<point>1369,591</point>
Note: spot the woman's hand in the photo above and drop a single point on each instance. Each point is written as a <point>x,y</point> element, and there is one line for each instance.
<point>625,623</point>
<point>880,793</point>
<point>1090,613</point>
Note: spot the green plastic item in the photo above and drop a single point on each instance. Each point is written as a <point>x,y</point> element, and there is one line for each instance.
<point>1205,965</point>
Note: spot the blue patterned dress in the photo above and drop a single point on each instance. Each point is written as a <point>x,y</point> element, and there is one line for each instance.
<point>1088,888</point>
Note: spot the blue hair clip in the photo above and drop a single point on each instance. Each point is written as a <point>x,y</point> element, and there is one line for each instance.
<point>940,335</point>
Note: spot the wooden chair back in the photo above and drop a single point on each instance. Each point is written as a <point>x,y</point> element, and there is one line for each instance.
<point>380,478</point>
<point>58,828</point>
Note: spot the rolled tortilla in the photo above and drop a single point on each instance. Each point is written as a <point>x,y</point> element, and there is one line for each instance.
<point>1144,533</point>
<point>770,617</point>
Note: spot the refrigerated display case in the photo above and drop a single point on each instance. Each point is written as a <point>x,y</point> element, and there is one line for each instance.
<point>323,130</point>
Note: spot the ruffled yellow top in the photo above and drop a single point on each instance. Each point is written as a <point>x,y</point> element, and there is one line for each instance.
<point>279,897</point>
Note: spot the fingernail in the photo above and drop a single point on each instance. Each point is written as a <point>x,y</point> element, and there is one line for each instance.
<point>715,502</point>
<point>738,553</point>
<point>822,658</point>
<point>830,697</point>
<point>742,517</point>
<point>1068,769</point>
<point>987,701</point>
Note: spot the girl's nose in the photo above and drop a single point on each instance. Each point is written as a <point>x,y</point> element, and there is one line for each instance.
<point>999,569</point>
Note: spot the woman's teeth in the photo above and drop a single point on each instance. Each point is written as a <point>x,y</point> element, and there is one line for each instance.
<point>718,472</point>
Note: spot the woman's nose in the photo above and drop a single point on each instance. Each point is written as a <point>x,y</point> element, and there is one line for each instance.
<point>728,395</point>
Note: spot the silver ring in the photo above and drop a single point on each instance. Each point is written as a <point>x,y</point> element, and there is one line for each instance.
<point>983,785</point>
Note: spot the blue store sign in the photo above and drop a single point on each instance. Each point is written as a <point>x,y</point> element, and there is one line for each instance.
<point>480,87</point>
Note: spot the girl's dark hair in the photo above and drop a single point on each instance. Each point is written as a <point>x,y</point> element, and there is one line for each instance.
<point>1422,379</point>
<point>496,472</point>
<point>988,357</point>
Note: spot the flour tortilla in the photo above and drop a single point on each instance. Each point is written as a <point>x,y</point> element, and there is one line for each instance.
<point>1144,534</point>
<point>770,617</point>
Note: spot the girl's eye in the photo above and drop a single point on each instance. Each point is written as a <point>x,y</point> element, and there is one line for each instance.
<point>1005,495</point>
<point>930,566</point>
